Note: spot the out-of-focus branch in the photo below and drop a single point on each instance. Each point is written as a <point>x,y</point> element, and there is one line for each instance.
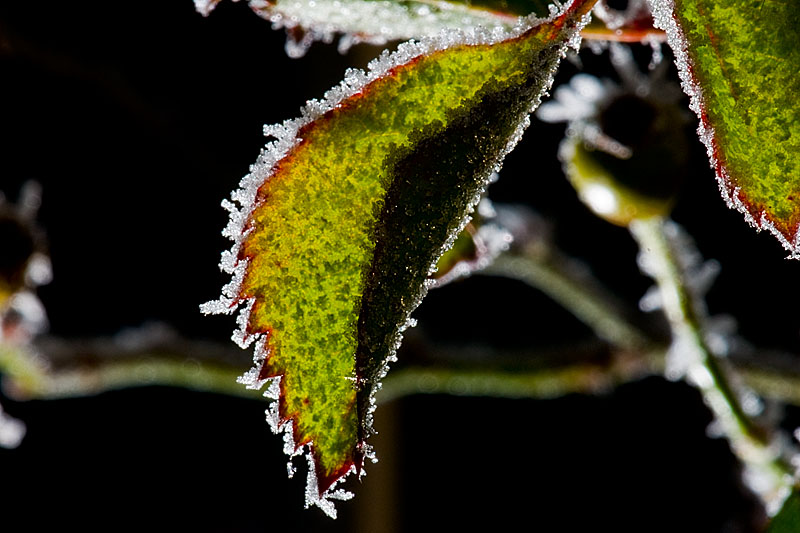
<point>57,368</point>
<point>583,377</point>
<point>760,449</point>
<point>571,284</point>
<point>152,355</point>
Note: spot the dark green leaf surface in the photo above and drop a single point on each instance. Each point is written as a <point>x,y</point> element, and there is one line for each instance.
<point>344,217</point>
<point>739,61</point>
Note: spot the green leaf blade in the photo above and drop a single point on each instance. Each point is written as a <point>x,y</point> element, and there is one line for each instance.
<point>343,217</point>
<point>739,64</point>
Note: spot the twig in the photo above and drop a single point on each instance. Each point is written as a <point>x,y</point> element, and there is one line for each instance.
<point>59,368</point>
<point>153,355</point>
<point>770,472</point>
<point>571,285</point>
<point>541,383</point>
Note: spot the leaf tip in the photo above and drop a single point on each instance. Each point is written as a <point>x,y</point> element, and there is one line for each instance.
<point>786,231</point>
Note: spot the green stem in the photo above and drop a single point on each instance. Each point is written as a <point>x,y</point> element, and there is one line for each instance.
<point>28,375</point>
<point>568,283</point>
<point>543,383</point>
<point>759,451</point>
<point>78,369</point>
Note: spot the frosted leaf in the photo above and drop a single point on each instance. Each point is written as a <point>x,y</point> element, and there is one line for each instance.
<point>289,446</point>
<point>304,223</point>
<point>751,152</point>
<point>375,22</point>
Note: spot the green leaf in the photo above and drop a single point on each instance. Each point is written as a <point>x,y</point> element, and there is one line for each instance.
<point>344,216</point>
<point>379,21</point>
<point>739,61</point>
<point>788,518</point>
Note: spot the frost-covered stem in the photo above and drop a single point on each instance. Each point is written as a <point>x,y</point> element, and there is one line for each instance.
<point>571,285</point>
<point>768,473</point>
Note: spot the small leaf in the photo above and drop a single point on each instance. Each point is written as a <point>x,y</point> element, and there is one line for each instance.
<point>738,61</point>
<point>344,216</point>
<point>788,518</point>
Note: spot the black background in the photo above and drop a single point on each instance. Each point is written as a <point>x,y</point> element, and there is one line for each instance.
<point>137,119</point>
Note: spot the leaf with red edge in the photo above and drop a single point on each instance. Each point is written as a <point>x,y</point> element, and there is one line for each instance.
<point>343,217</point>
<point>739,63</point>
